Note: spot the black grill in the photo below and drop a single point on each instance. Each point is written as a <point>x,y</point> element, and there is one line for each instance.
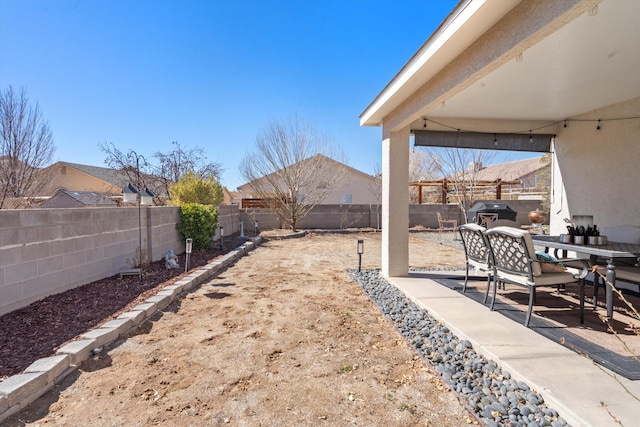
<point>502,209</point>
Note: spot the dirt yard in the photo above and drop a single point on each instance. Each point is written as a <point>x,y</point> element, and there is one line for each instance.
<point>283,337</point>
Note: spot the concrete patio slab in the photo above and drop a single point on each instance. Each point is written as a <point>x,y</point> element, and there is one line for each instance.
<point>569,382</point>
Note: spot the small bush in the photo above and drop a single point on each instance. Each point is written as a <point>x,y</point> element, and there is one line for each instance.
<point>198,222</point>
<point>192,188</point>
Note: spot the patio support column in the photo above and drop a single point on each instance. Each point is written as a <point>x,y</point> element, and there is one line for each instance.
<point>395,205</point>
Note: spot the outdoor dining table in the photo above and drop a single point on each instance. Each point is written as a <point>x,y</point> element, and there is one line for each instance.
<point>610,252</point>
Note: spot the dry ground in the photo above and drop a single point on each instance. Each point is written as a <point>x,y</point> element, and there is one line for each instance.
<point>283,337</point>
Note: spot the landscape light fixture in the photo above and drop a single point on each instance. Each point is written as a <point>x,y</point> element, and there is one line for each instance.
<point>221,238</point>
<point>255,224</point>
<point>360,252</point>
<point>188,246</point>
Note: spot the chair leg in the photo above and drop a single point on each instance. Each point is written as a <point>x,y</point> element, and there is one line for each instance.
<point>532,295</point>
<point>495,288</point>
<point>581,301</point>
<point>486,293</point>
<point>466,278</point>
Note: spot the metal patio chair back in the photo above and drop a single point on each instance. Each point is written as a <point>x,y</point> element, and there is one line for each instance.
<point>477,252</point>
<point>514,261</point>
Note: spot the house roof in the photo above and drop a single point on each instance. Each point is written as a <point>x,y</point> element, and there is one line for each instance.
<point>317,156</point>
<point>85,198</point>
<point>510,171</point>
<point>516,60</point>
<point>115,177</point>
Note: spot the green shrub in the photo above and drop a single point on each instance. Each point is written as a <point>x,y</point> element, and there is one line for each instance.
<point>192,188</point>
<point>198,222</point>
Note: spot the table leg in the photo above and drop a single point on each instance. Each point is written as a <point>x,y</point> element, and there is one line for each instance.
<point>611,278</point>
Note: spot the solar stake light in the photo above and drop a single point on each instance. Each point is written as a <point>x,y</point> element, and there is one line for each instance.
<point>256,227</point>
<point>188,245</point>
<point>360,252</point>
<point>221,238</point>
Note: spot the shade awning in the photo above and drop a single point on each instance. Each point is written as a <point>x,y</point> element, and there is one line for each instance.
<point>534,142</point>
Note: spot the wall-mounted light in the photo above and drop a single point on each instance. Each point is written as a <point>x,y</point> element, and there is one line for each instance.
<point>360,249</point>
<point>188,245</point>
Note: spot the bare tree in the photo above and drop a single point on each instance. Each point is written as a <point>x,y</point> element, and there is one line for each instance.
<point>543,181</point>
<point>26,145</point>
<point>180,161</point>
<point>292,167</point>
<point>172,166</point>
<point>134,166</point>
<point>460,167</point>
<point>422,167</point>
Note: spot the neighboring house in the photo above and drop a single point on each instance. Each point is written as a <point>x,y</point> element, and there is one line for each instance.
<point>78,199</point>
<point>558,77</point>
<point>525,171</point>
<point>357,188</point>
<point>518,179</point>
<point>84,178</point>
<point>230,197</point>
<point>92,179</point>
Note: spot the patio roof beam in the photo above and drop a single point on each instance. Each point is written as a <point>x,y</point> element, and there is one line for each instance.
<point>535,142</point>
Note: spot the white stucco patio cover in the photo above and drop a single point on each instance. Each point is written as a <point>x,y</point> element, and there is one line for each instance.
<point>564,68</point>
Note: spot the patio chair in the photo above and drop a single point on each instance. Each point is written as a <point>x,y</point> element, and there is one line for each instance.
<point>476,250</point>
<point>502,223</point>
<point>446,224</point>
<point>515,261</point>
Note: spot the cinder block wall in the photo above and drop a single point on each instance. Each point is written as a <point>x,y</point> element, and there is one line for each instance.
<point>427,215</point>
<point>47,251</point>
<point>335,217</point>
<point>229,218</point>
<point>339,217</point>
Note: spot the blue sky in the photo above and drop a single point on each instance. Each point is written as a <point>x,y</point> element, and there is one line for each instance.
<point>141,74</point>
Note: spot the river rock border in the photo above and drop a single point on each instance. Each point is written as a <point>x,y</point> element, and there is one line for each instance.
<point>18,391</point>
<point>481,384</point>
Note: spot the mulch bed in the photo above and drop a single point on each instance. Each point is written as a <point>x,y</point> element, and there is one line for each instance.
<point>38,330</point>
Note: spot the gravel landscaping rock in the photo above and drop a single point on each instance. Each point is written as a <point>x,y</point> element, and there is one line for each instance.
<point>488,389</point>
